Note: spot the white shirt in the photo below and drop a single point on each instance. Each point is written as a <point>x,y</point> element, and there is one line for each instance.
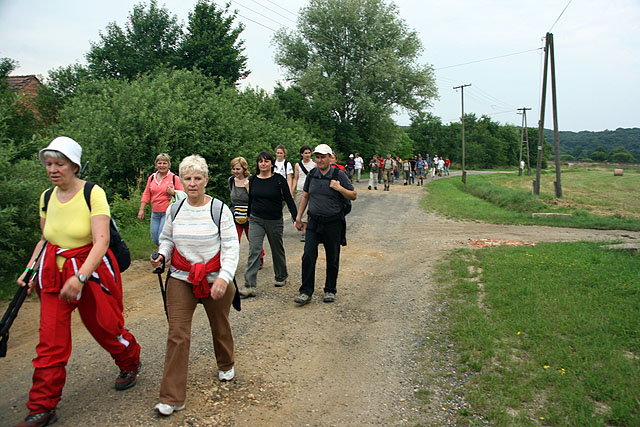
<point>358,160</point>
<point>279,168</point>
<point>301,175</point>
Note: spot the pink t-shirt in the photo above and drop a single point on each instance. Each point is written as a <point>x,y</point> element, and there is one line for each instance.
<point>156,191</point>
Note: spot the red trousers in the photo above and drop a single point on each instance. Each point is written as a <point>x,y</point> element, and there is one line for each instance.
<point>102,316</point>
<point>245,227</point>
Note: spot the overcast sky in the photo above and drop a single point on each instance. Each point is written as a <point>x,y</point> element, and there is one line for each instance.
<point>597,50</point>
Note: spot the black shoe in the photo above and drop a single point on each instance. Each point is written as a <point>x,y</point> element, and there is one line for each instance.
<point>41,419</point>
<point>329,297</point>
<point>369,187</point>
<point>127,379</point>
<point>375,188</point>
<point>302,299</point>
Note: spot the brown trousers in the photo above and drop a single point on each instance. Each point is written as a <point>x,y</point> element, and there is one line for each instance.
<point>181,304</point>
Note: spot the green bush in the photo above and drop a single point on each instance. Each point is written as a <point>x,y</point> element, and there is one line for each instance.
<point>122,126</point>
<point>21,183</point>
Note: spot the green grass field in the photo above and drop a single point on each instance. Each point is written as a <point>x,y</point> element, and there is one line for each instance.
<point>551,333</point>
<point>594,197</point>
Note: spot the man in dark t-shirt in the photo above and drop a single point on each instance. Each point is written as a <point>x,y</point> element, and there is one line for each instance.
<point>324,191</point>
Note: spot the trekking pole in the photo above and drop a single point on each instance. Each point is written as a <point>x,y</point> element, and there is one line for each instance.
<point>163,289</point>
<point>83,170</point>
<point>15,304</point>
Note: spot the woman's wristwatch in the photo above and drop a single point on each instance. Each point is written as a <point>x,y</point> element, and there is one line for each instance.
<point>82,278</point>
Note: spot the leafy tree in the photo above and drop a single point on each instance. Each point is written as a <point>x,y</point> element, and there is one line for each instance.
<point>211,43</point>
<point>123,125</point>
<point>357,60</point>
<point>600,154</point>
<point>621,155</point>
<point>150,39</point>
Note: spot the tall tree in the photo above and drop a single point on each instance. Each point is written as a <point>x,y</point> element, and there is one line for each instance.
<point>211,43</point>
<point>358,58</point>
<point>150,39</point>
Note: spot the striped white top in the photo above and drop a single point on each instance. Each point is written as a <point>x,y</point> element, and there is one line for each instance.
<point>196,236</point>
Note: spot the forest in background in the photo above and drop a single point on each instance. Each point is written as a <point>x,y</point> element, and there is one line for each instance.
<point>620,145</point>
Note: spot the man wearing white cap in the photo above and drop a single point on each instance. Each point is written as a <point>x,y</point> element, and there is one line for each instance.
<point>324,191</point>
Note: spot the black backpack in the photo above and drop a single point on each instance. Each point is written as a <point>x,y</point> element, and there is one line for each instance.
<point>346,203</point>
<point>116,244</point>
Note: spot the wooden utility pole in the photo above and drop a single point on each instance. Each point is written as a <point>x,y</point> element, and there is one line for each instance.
<point>524,136</point>
<point>548,53</point>
<point>464,171</point>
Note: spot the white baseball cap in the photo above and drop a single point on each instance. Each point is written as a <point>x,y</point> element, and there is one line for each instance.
<point>323,149</point>
<point>65,145</point>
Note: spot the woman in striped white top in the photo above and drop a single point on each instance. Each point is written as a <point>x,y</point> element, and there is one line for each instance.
<point>203,263</point>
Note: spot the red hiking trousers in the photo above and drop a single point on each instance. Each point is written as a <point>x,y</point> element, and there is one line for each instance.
<point>101,314</point>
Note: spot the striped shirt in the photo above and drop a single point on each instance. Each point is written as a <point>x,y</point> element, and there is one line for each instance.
<point>196,236</point>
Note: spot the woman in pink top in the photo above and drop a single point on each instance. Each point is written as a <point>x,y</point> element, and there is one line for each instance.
<point>161,187</point>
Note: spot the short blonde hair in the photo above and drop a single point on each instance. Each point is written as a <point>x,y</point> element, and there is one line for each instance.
<point>194,163</point>
<point>163,157</point>
<point>243,164</point>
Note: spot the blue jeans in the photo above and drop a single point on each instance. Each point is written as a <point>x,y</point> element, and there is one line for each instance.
<point>157,223</point>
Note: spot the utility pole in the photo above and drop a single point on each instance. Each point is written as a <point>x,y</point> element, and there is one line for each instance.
<point>464,171</point>
<point>548,53</point>
<point>524,136</point>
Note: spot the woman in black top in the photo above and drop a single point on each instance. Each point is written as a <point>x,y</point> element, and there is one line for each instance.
<point>266,193</point>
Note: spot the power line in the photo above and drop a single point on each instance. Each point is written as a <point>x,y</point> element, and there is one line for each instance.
<point>261,14</point>
<point>273,11</point>
<point>487,59</point>
<point>286,10</point>
<point>554,24</point>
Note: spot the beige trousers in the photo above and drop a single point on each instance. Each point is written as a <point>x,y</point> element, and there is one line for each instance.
<point>181,304</point>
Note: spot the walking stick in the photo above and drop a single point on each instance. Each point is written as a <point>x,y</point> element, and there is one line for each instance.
<point>163,289</point>
<point>15,304</point>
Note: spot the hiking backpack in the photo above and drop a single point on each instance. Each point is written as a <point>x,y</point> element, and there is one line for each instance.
<point>116,243</point>
<point>216,215</point>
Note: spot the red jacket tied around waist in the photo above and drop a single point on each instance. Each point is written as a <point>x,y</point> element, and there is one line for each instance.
<point>197,272</point>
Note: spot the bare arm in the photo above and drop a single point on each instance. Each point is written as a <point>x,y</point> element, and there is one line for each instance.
<point>41,242</point>
<point>348,194</point>
<point>303,204</point>
<point>296,176</point>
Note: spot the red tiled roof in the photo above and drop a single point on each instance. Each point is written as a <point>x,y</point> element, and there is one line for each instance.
<point>19,82</point>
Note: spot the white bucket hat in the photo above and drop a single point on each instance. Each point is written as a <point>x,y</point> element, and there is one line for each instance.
<point>66,146</point>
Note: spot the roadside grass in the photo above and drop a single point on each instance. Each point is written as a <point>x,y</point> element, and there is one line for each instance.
<point>551,333</point>
<point>594,197</point>
<point>137,238</point>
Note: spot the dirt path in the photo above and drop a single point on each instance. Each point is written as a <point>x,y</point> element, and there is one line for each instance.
<point>354,362</point>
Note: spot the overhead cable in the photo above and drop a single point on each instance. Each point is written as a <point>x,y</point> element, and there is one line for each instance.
<point>554,24</point>
<point>487,59</point>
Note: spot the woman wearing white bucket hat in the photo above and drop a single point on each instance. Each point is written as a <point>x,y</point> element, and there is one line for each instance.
<point>77,269</point>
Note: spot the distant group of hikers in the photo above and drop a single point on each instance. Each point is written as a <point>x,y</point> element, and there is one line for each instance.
<point>198,237</point>
<point>412,169</point>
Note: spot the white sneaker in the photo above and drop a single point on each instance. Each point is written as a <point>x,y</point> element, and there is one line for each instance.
<point>227,375</point>
<point>166,409</point>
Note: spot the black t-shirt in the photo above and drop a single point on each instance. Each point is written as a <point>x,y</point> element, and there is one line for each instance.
<point>266,196</point>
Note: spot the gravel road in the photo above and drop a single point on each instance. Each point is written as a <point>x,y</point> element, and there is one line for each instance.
<point>358,361</point>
